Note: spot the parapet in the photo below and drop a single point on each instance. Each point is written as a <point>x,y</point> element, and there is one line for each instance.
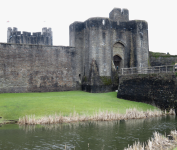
<point>15,36</point>
<point>119,15</point>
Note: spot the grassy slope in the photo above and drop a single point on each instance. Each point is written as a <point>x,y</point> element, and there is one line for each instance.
<point>15,105</point>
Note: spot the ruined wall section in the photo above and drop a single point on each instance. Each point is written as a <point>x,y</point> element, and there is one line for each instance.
<point>36,68</point>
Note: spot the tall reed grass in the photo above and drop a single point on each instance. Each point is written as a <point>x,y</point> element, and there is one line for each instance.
<point>98,116</point>
<point>158,142</point>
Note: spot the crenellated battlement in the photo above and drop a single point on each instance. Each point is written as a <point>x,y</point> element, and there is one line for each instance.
<point>44,38</point>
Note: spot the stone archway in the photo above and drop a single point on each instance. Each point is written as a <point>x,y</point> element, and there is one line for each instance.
<point>118,55</point>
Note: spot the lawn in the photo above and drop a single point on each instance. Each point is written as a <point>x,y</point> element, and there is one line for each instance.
<point>15,105</point>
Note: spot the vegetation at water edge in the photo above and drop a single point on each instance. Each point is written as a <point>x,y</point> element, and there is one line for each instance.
<point>16,105</point>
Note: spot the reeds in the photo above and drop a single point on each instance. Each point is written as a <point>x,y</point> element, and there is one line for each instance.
<point>98,116</point>
<point>159,142</point>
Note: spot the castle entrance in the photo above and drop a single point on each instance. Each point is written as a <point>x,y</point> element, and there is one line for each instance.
<point>118,55</point>
<point>117,59</point>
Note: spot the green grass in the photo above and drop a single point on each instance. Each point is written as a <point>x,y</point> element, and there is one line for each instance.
<point>15,105</point>
<point>175,148</point>
<point>158,54</point>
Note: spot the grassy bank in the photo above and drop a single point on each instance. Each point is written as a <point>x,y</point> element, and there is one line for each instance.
<point>16,105</point>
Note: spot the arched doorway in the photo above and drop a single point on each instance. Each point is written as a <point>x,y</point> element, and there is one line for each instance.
<point>117,60</point>
<point>118,55</point>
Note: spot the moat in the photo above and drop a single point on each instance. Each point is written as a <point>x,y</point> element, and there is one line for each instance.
<point>106,135</point>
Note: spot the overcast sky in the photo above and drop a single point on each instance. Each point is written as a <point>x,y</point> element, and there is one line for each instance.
<point>33,15</point>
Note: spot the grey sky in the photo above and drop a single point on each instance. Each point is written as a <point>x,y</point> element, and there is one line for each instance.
<point>33,15</point>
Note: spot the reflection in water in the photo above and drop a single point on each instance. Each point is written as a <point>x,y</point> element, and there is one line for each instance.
<point>70,126</point>
<point>99,134</point>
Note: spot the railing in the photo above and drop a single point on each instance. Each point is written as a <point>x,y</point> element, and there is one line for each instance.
<point>148,70</point>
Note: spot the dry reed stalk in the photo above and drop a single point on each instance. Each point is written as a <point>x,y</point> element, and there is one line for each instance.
<point>98,116</point>
<point>159,142</point>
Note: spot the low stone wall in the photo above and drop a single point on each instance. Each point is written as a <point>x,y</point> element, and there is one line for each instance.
<point>156,89</point>
<point>36,68</point>
<point>160,59</point>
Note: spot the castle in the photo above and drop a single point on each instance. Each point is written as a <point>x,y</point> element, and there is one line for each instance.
<point>99,48</point>
<point>105,43</point>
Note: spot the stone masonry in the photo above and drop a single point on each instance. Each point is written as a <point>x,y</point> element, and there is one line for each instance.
<point>109,44</point>
<point>99,48</point>
<point>15,36</point>
<point>160,59</point>
<point>36,68</point>
<point>156,89</point>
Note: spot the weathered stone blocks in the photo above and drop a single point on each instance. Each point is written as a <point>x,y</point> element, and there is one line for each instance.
<point>99,39</point>
<point>155,89</point>
<point>36,68</point>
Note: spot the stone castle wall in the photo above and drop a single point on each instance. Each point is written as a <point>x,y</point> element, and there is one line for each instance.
<point>99,48</point>
<point>156,89</point>
<point>36,68</point>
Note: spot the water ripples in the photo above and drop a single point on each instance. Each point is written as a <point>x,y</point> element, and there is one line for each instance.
<point>94,135</point>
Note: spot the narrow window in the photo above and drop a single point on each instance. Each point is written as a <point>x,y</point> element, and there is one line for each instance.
<point>103,22</point>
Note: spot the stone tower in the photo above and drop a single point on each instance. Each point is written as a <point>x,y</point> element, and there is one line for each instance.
<point>119,15</point>
<point>104,43</point>
<point>15,36</point>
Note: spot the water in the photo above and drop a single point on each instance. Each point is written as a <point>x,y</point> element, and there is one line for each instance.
<point>108,135</point>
